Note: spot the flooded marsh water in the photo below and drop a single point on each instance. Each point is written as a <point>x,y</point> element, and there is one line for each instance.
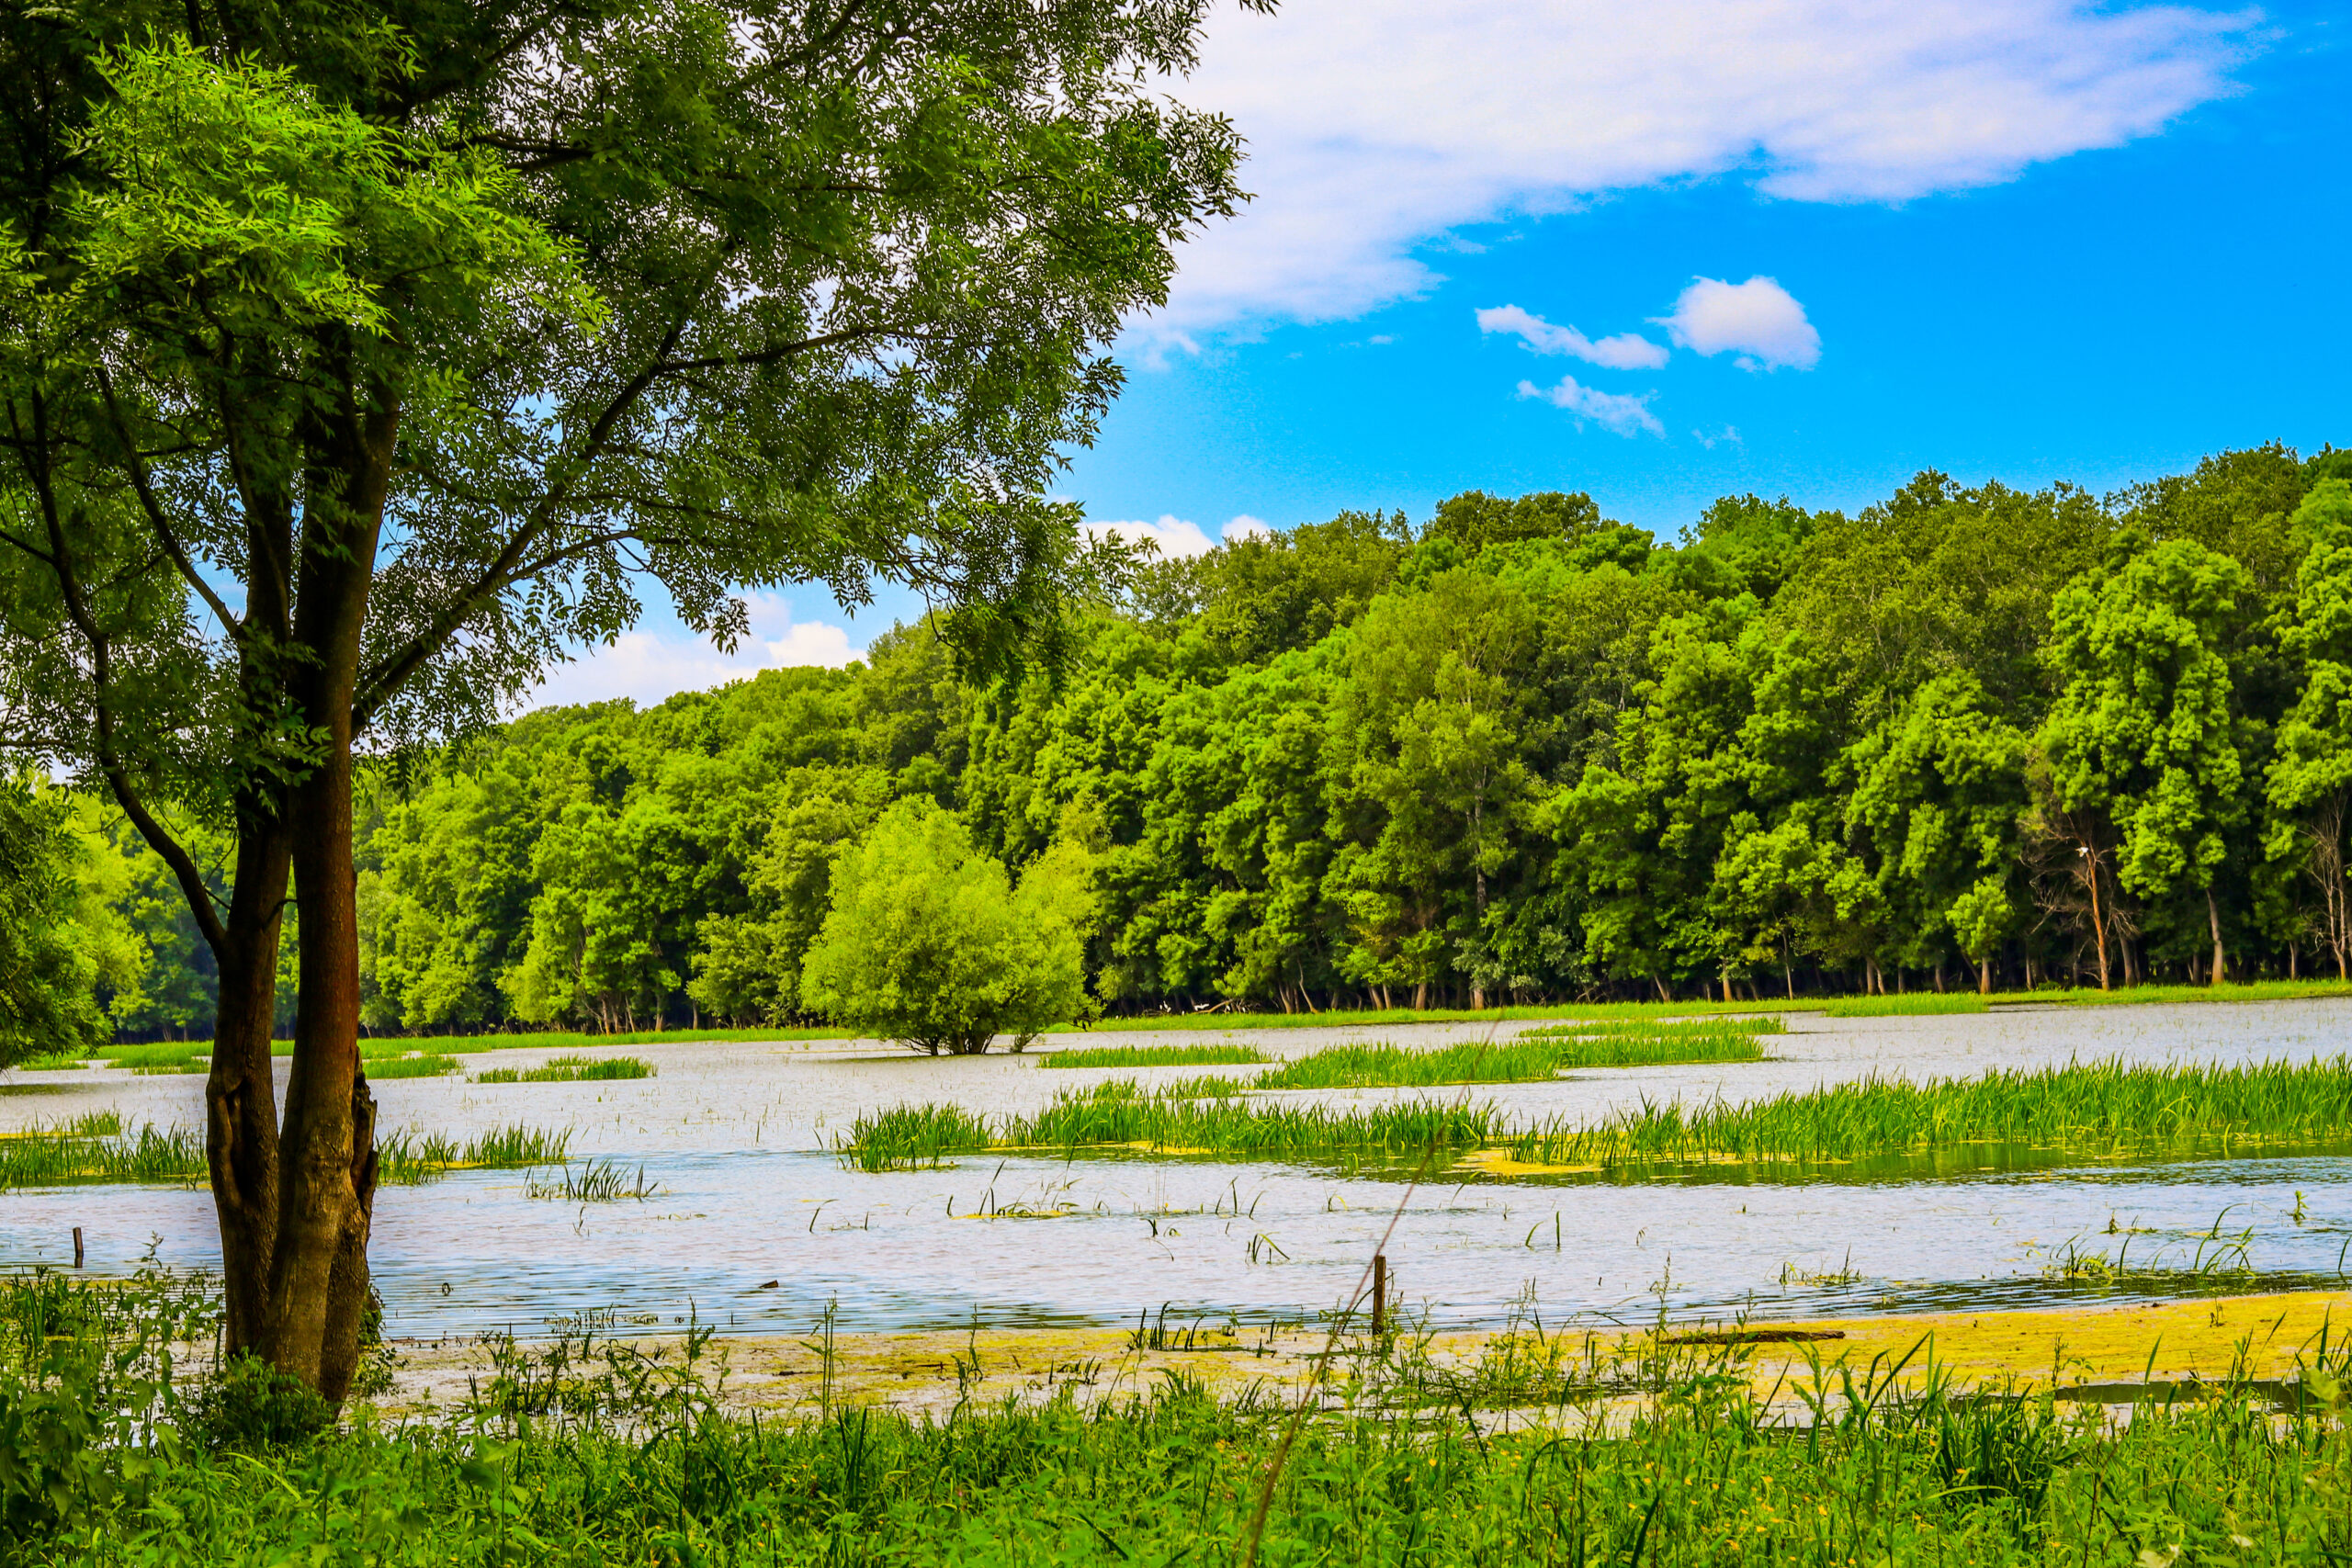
<point>754,1222</point>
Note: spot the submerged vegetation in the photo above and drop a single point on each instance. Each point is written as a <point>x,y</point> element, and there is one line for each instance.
<point>2095,1110</point>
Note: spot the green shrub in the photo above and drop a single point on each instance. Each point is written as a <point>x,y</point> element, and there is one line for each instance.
<point>251,1407</point>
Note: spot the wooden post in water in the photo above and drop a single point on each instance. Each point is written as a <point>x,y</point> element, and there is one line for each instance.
<point>77,1246</point>
<point>1379,1291</point>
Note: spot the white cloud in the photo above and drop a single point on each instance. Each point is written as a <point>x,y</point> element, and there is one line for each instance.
<point>1177,538</point>
<point>1375,127</point>
<point>1626,351</point>
<point>1758,320</point>
<point>1613,411</point>
<point>1728,435</point>
<point>648,666</point>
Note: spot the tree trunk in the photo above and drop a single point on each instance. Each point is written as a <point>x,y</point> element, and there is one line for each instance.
<point>326,1151</point>
<point>2098,926</point>
<point>2213,917</point>
<point>240,1095</point>
<point>1983,976</point>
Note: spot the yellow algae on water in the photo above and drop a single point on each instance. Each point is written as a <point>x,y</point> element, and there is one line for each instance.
<point>1498,1162</point>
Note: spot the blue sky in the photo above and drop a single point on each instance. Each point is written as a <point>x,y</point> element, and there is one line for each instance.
<point>2018,239</point>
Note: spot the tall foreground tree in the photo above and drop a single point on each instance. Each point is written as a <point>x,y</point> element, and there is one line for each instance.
<point>355,355</point>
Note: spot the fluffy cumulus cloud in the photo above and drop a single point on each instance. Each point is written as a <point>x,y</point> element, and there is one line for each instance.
<point>1376,126</point>
<point>1174,537</point>
<point>648,666</point>
<point>1758,320</point>
<point>1626,414</point>
<point>1625,351</point>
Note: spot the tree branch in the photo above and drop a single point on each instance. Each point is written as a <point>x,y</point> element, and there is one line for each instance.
<point>136,468</point>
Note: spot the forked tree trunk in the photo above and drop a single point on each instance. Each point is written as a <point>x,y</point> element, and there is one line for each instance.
<point>316,1279</point>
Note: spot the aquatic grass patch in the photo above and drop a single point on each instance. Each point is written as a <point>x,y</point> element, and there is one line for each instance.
<point>408,1157</point>
<point>908,1137</point>
<point>2093,1110</point>
<point>1659,1028</point>
<point>1391,1066</point>
<point>1534,1057</point>
<point>570,1069</point>
<point>53,1062</point>
<point>1646,1049</point>
<point>170,1055</point>
<point>1918,1004</point>
<point>1221,1054</point>
<point>1122,1115</point>
<point>597,1182</point>
<point>426,1067</point>
<point>67,1156</point>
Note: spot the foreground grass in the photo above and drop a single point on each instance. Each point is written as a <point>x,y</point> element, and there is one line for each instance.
<point>2090,1110</point>
<point>591,1453</point>
<point>97,1149</point>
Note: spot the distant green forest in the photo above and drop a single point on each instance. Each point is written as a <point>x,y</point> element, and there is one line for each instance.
<point>1516,753</point>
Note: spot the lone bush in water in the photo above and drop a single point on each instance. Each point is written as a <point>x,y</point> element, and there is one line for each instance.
<point>930,943</point>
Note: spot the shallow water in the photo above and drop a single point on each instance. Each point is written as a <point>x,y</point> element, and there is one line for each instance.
<point>734,1136</point>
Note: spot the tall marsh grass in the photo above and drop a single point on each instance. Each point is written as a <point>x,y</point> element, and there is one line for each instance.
<point>570,1069</point>
<point>2091,1108</point>
<point>1120,1115</point>
<point>1918,1004</point>
<point>97,1149</point>
<point>2087,1111</point>
<point>1217,1055</point>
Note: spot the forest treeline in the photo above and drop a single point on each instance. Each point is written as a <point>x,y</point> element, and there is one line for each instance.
<point>1967,735</point>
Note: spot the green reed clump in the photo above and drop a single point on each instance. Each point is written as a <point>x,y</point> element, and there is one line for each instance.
<point>909,1136</point>
<point>1916,1004</point>
<point>409,1066</point>
<point>2094,1108</point>
<point>1383,1066</point>
<point>579,1069</point>
<point>53,1062</point>
<point>598,1181</point>
<point>1659,1028</point>
<point>407,1157</point>
<point>1223,1055</point>
<point>1535,1056</point>
<point>1122,1115</point>
<point>170,1055</point>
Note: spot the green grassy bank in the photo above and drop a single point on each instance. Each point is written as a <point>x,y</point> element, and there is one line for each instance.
<point>592,1454</point>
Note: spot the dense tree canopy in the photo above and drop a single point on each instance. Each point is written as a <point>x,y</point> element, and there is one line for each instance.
<point>1364,762</point>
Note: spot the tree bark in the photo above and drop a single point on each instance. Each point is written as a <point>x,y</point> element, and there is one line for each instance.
<point>240,1095</point>
<point>2213,917</point>
<point>318,1277</point>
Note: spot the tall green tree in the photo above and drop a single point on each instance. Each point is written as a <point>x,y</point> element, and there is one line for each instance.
<point>2143,732</point>
<point>358,357</point>
<point>2309,783</point>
